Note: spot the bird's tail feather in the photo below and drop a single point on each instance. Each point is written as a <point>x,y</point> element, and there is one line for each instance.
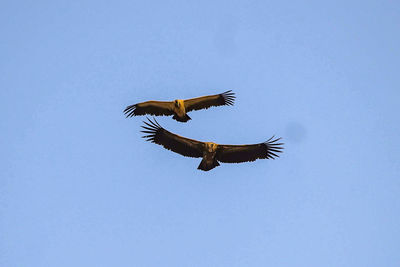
<point>181,119</point>
<point>206,165</point>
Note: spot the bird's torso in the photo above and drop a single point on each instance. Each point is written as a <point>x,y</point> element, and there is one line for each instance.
<point>179,107</point>
<point>210,149</point>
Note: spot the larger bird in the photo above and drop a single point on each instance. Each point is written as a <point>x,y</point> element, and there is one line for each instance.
<point>179,108</point>
<point>211,153</point>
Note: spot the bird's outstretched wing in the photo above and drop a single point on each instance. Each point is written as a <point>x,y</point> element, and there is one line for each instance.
<point>204,102</point>
<point>181,145</point>
<point>243,153</point>
<point>157,108</point>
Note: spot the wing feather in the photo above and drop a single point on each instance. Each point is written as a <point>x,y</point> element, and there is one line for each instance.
<point>178,144</point>
<point>157,108</point>
<point>205,102</point>
<point>243,153</point>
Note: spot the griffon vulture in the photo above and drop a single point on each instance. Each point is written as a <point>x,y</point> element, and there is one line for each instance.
<point>210,152</point>
<point>180,107</point>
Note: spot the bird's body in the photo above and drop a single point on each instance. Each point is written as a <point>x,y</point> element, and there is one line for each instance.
<point>179,107</point>
<point>211,153</point>
<point>180,111</point>
<point>209,157</point>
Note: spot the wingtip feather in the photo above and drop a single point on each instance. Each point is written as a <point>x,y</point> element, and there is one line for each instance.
<point>229,97</point>
<point>273,148</point>
<point>129,111</point>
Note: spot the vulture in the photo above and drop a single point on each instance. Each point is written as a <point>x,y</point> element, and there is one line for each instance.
<point>211,153</point>
<point>179,107</point>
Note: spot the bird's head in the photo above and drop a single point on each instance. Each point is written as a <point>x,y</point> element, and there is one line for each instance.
<point>211,147</point>
<point>179,103</point>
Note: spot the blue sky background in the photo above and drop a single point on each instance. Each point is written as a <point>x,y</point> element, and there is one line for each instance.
<point>79,187</point>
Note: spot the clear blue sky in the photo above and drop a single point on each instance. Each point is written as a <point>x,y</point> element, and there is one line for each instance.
<point>79,187</point>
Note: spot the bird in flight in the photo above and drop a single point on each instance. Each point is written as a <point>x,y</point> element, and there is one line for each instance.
<point>179,107</point>
<point>211,153</point>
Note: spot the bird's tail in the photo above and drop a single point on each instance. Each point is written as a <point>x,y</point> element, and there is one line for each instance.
<point>206,165</point>
<point>185,118</point>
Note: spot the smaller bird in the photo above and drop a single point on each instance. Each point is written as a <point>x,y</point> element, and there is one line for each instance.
<point>179,108</point>
<point>210,152</point>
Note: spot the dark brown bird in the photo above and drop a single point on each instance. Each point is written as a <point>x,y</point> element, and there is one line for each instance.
<point>211,153</point>
<point>178,108</point>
